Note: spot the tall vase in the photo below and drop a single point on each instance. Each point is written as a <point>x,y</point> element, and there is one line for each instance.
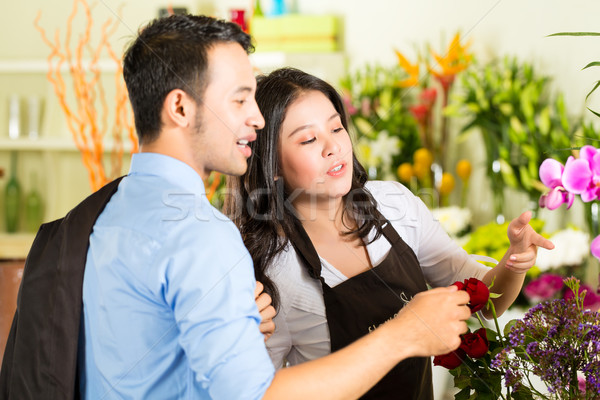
<point>33,207</point>
<point>12,197</point>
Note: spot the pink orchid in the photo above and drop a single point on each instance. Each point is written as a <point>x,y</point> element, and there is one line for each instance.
<point>551,175</point>
<point>582,175</point>
<point>595,247</point>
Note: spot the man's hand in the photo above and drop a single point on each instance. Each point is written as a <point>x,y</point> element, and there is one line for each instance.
<point>524,242</point>
<point>433,320</point>
<point>267,311</point>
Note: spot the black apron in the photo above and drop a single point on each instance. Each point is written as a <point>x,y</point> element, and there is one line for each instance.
<point>362,303</point>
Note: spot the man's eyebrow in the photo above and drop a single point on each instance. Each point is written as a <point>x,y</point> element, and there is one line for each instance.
<point>243,89</point>
<point>335,115</point>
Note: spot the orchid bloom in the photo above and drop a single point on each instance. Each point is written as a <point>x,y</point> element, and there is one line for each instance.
<point>582,175</point>
<point>411,69</point>
<point>595,247</point>
<point>551,175</point>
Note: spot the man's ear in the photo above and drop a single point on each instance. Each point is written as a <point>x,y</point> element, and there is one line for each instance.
<point>178,109</point>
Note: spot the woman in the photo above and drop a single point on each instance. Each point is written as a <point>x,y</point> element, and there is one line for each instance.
<point>338,254</point>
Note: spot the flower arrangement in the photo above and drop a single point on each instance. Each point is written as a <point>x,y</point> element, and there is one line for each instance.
<point>557,341</point>
<point>578,177</point>
<point>570,257</point>
<point>519,121</point>
<point>386,133</point>
<point>434,128</point>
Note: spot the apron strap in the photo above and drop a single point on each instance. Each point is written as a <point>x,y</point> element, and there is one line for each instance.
<point>306,251</point>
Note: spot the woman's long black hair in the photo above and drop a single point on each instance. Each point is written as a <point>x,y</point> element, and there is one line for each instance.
<point>257,202</point>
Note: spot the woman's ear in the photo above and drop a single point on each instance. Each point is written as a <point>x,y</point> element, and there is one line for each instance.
<point>178,109</point>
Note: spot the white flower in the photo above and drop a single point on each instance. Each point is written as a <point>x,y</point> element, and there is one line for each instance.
<point>453,219</point>
<point>571,247</point>
<point>384,148</point>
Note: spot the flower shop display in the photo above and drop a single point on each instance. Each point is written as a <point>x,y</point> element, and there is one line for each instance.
<point>455,220</point>
<point>579,176</point>
<point>556,343</point>
<point>385,132</point>
<point>519,121</point>
<point>432,121</point>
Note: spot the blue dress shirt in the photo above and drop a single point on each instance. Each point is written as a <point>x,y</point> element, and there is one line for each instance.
<point>168,295</point>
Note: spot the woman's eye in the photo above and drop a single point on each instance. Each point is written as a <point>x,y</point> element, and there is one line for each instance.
<point>336,130</point>
<point>242,101</point>
<point>308,141</point>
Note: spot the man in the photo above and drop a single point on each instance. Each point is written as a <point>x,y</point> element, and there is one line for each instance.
<point>168,291</point>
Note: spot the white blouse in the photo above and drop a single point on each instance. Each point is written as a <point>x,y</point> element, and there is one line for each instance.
<point>301,332</point>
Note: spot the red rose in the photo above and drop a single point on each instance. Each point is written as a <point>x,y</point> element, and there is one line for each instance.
<point>478,293</point>
<point>451,360</point>
<point>475,344</point>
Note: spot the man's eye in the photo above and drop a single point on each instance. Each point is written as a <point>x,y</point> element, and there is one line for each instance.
<point>308,141</point>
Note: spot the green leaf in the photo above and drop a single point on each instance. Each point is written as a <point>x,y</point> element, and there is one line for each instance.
<point>593,89</point>
<point>525,178</point>
<point>462,381</point>
<point>463,394</point>
<point>363,126</point>
<point>507,174</point>
<point>495,295</point>
<point>544,121</point>
<point>575,34</point>
<point>592,64</point>
<point>594,112</point>
<point>509,326</point>
<point>522,393</point>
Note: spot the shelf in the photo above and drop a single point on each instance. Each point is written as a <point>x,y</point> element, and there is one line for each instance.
<point>41,144</point>
<point>49,144</point>
<point>15,246</point>
<point>41,66</point>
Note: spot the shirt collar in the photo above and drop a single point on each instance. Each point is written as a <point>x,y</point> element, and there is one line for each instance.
<point>171,169</point>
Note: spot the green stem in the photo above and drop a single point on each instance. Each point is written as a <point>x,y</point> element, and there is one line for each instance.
<point>500,336</point>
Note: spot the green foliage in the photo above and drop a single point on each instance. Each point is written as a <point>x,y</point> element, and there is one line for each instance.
<point>385,131</point>
<point>520,123</point>
<point>491,239</point>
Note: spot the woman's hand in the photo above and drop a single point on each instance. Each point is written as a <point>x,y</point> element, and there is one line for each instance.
<point>524,242</point>
<point>267,311</point>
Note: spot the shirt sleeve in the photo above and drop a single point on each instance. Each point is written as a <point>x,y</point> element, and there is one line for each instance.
<point>280,343</point>
<point>210,288</point>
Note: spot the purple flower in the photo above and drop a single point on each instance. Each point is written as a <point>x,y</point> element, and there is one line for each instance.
<point>543,288</point>
<point>582,175</point>
<point>595,247</point>
<point>551,174</point>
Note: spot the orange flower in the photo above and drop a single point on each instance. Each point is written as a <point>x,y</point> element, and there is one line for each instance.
<point>447,184</point>
<point>456,60</point>
<point>463,169</point>
<point>405,172</point>
<point>411,69</point>
<point>423,157</point>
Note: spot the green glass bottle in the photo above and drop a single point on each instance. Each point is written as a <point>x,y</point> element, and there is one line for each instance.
<point>33,207</point>
<point>12,197</point>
